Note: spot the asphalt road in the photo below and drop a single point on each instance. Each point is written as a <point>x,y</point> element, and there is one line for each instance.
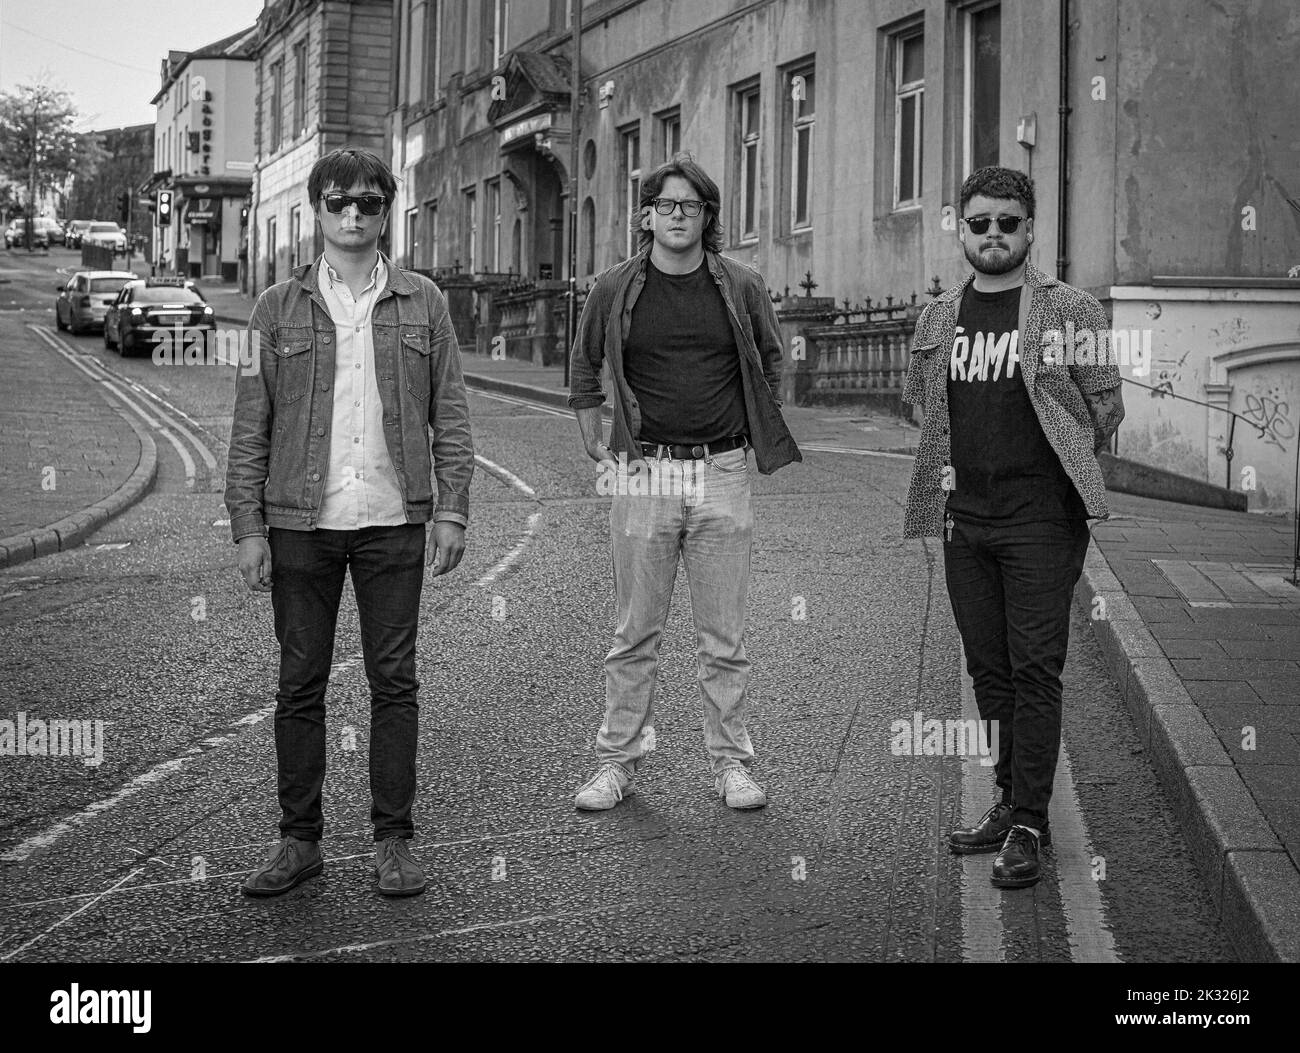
<point>149,629</point>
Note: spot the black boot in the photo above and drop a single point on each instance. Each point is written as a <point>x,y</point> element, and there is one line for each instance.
<point>1017,864</point>
<point>985,836</point>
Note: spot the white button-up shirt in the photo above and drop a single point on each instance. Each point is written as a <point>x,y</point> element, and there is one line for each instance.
<point>361,489</point>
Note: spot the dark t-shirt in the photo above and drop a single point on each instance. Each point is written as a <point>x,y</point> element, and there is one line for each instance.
<point>681,360</point>
<point>1004,467</point>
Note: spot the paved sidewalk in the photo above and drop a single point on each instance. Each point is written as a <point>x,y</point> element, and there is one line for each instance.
<point>69,460</point>
<point>1200,632</point>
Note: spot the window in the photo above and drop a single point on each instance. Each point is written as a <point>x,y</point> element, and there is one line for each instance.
<point>494,218</point>
<point>431,233</point>
<point>295,237</point>
<point>670,133</point>
<point>270,251</point>
<point>747,138</point>
<point>909,99</point>
<point>432,49</point>
<point>276,104</point>
<point>501,31</point>
<point>299,88</point>
<point>588,237</point>
<point>412,242</point>
<point>471,230</point>
<point>631,163</point>
<point>982,95</point>
<point>802,102</point>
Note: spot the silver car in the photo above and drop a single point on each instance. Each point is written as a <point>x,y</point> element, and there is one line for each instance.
<point>84,300</point>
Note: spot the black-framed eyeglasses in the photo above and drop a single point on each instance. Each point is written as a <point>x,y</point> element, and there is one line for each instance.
<point>367,204</point>
<point>1006,224</point>
<point>666,206</point>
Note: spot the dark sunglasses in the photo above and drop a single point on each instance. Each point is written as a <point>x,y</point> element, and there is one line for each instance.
<point>667,206</point>
<point>1006,224</point>
<point>367,204</point>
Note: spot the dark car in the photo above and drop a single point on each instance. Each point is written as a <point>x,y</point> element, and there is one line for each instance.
<point>85,299</point>
<point>74,232</point>
<point>52,228</point>
<point>156,305</point>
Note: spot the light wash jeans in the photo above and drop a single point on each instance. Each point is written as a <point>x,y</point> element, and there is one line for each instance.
<point>711,528</point>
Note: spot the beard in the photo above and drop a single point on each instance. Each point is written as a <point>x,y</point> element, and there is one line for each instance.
<point>990,261</point>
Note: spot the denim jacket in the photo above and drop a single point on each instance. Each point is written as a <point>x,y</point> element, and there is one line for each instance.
<point>280,437</point>
<point>1056,391</point>
<point>603,328</point>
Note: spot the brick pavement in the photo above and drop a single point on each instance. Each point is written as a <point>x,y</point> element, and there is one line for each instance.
<point>68,458</point>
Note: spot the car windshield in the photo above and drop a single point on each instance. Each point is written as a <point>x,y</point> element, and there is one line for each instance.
<point>105,228</point>
<point>164,294</point>
<point>107,285</point>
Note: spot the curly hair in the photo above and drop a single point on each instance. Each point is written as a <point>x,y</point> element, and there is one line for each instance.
<point>685,166</point>
<point>1003,184</point>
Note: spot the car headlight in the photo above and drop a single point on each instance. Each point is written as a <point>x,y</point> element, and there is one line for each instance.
<point>136,312</point>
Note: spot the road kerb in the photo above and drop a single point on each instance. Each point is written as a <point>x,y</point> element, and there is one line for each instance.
<point>1253,883</point>
<point>72,530</point>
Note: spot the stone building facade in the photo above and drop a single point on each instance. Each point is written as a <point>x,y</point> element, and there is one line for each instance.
<point>840,132</point>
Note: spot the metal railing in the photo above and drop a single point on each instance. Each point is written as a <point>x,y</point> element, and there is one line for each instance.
<point>1232,425</point>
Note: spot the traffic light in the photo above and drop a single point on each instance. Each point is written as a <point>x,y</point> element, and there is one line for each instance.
<point>164,208</point>
<point>124,208</point>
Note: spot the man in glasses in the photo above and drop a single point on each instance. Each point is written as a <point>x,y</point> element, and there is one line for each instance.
<point>692,345</point>
<point>1006,472</point>
<point>330,471</point>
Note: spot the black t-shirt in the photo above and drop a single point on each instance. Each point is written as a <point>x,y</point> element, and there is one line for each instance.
<point>1004,467</point>
<point>681,360</point>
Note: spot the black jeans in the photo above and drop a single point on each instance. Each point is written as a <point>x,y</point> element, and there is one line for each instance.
<point>1011,588</point>
<point>307,568</point>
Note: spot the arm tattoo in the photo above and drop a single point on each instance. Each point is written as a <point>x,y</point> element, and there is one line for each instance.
<point>1107,409</point>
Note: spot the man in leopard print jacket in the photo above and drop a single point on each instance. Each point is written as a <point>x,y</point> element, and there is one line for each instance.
<point>1013,370</point>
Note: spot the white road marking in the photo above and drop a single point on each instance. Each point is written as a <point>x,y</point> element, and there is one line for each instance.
<point>506,476</point>
<point>162,770</point>
<point>981,904</point>
<point>85,906</point>
<point>540,407</point>
<point>820,448</point>
<point>512,557</point>
<point>358,948</point>
<point>1085,912</point>
<point>181,452</point>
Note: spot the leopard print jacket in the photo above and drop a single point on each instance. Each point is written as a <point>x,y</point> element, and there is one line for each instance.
<point>1056,391</point>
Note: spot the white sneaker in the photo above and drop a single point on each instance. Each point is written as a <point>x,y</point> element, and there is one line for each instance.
<point>739,790</point>
<point>605,789</point>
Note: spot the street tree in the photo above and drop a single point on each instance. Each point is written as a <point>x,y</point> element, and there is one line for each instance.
<point>38,146</point>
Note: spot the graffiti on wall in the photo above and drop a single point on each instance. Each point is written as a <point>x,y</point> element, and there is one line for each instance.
<point>1272,413</point>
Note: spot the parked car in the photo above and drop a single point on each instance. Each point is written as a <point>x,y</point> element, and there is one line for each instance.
<point>15,235</point>
<point>73,232</point>
<point>150,305</point>
<point>85,299</point>
<point>109,235</point>
<point>53,229</point>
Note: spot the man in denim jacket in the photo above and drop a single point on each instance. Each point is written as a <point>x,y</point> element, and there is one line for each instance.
<point>355,362</point>
<point>693,349</point>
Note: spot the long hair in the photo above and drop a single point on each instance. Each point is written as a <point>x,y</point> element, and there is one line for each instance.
<point>685,166</point>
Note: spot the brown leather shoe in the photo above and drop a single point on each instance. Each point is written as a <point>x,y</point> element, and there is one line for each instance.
<point>291,863</point>
<point>398,873</point>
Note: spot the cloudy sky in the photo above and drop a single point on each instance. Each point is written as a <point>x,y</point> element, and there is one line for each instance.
<point>106,54</point>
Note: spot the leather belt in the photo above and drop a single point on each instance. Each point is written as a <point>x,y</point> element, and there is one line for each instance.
<point>692,453</point>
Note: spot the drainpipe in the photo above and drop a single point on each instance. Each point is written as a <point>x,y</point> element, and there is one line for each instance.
<point>1063,147</point>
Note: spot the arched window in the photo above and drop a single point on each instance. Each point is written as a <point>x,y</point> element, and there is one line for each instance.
<point>588,236</point>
